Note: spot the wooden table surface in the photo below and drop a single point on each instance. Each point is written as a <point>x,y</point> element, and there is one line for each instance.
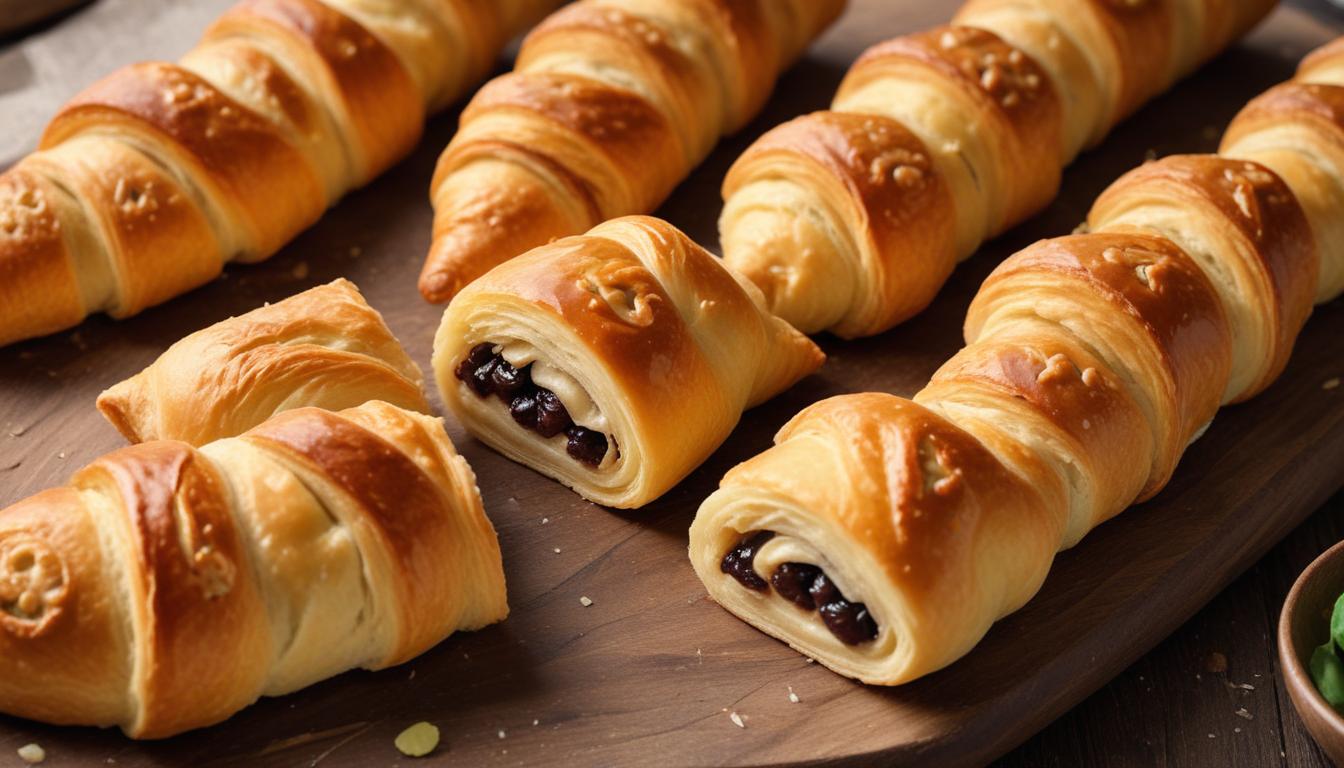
<point>1161,710</point>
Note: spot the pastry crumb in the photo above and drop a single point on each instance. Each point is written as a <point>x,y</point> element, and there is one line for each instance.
<point>19,430</point>
<point>1331,384</point>
<point>61,455</point>
<point>1244,713</point>
<point>502,734</point>
<point>536,722</point>
<point>793,697</point>
<point>418,740</point>
<point>32,754</point>
<point>585,601</point>
<point>356,251</point>
<point>556,550</point>
<point>737,719</point>
<point>545,520</point>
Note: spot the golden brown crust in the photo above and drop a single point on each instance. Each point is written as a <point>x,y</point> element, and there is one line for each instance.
<point>185,122</point>
<point>1248,210</point>
<point>1091,363</point>
<point>1080,415</point>
<point>651,329</point>
<point>1297,130</point>
<point>64,655</point>
<point>905,511</point>
<point>610,106</point>
<point>377,95</point>
<point>1014,98</point>
<point>172,170</point>
<point>999,100</point>
<point>39,292</point>
<point>880,188</point>
<point>152,594</point>
<point>402,508</point>
<point>325,347</point>
<point>1177,348</point>
<point>201,621</point>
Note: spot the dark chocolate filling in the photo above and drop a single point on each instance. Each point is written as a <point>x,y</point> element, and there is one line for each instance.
<point>804,585</point>
<point>536,408</point>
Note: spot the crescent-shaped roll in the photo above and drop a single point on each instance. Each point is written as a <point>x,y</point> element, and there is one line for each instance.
<point>325,347</point>
<point>167,587</point>
<point>851,220</point>
<point>1245,228</point>
<point>1297,130</point>
<point>882,536</point>
<point>614,362</point>
<point>610,105</point>
<point>149,181</point>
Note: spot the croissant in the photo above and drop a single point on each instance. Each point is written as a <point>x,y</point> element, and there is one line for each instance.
<point>883,536</point>
<point>611,104</point>
<point>325,347</point>
<point>614,362</point>
<point>851,220</point>
<point>167,587</point>
<point>149,181</point>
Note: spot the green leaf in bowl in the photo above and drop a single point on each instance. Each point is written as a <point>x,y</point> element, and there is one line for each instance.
<point>1327,672</point>
<point>1337,623</point>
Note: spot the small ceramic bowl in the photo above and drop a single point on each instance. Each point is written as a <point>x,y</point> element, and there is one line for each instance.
<point>1304,624</point>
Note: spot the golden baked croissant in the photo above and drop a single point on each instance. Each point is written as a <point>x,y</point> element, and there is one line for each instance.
<point>884,536</point>
<point>614,362</point>
<point>611,104</point>
<point>851,220</point>
<point>325,347</point>
<point>150,180</point>
<point>167,587</point>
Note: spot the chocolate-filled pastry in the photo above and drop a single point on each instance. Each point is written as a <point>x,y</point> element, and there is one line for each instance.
<point>325,347</point>
<point>883,536</point>
<point>850,220</point>
<point>167,587</point>
<point>614,362</point>
<point>877,537</point>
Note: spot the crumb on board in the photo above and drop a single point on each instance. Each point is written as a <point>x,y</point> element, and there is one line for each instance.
<point>502,734</point>
<point>585,601</point>
<point>418,740</point>
<point>536,722</point>
<point>1244,713</point>
<point>61,455</point>
<point>1216,662</point>
<point>32,754</point>
<point>556,550</point>
<point>545,520</point>
<point>356,251</point>
<point>737,719</point>
<point>1241,686</point>
<point>793,697</point>
<point>1331,384</point>
<point>19,430</point>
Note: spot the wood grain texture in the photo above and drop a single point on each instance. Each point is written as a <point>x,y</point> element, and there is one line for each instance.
<point>650,672</point>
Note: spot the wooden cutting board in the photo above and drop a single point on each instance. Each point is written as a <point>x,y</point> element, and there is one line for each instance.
<point>650,672</point>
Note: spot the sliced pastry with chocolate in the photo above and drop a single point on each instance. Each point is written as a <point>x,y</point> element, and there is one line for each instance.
<point>616,361</point>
